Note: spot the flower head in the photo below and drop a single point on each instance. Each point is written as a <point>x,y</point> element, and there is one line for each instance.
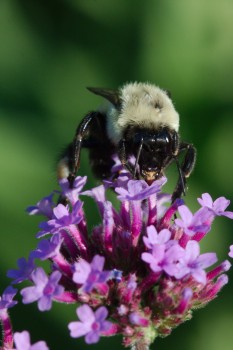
<point>139,273</point>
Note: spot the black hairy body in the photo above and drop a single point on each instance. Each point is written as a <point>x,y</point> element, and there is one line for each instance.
<point>141,122</point>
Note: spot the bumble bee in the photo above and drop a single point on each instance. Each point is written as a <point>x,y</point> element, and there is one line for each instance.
<point>138,120</point>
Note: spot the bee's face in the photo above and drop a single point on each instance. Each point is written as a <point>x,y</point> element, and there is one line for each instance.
<point>155,148</point>
<point>150,164</point>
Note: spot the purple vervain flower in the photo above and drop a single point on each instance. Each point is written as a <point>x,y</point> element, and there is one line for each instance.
<point>91,324</point>
<point>62,218</point>
<point>22,342</point>
<point>45,289</point>
<point>72,194</point>
<point>6,300</point>
<point>192,223</point>
<point>48,248</point>
<point>139,272</point>
<point>43,207</point>
<point>217,207</point>
<point>193,263</point>
<point>91,275</point>
<point>164,259</point>
<point>156,238</point>
<point>24,271</point>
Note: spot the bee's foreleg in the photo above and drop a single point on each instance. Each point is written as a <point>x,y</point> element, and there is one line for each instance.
<point>185,169</point>
<point>70,162</point>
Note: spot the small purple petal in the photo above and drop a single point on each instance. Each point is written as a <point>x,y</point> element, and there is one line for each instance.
<point>23,342</point>
<point>82,271</point>
<point>85,314</point>
<point>24,271</point>
<point>139,189</point>
<point>6,301</point>
<point>205,200</point>
<point>48,248</point>
<point>72,193</point>
<point>43,207</point>
<point>98,263</point>
<point>231,251</point>
<point>92,337</point>
<point>98,193</point>
<point>101,314</point>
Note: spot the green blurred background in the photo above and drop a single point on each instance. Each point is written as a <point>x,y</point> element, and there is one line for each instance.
<point>50,51</point>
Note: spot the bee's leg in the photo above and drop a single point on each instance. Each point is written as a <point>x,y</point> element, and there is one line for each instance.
<point>123,157</point>
<point>70,162</point>
<point>137,158</point>
<point>185,169</point>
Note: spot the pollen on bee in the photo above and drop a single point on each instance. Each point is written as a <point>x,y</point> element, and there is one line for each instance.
<point>63,168</point>
<point>150,176</point>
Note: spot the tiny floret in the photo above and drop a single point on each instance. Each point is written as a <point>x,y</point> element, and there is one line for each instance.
<point>92,324</point>
<point>45,289</point>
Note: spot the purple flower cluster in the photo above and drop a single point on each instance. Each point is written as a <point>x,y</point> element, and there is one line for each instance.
<point>139,273</point>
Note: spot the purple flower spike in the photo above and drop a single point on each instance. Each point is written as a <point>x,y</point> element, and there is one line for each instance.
<point>6,301</point>
<point>142,260</point>
<point>72,194</point>
<point>217,207</point>
<point>193,263</point>
<point>91,275</point>
<point>45,289</point>
<point>48,248</point>
<point>92,325</point>
<point>61,219</point>
<point>43,207</point>
<point>22,342</point>
<point>24,271</point>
